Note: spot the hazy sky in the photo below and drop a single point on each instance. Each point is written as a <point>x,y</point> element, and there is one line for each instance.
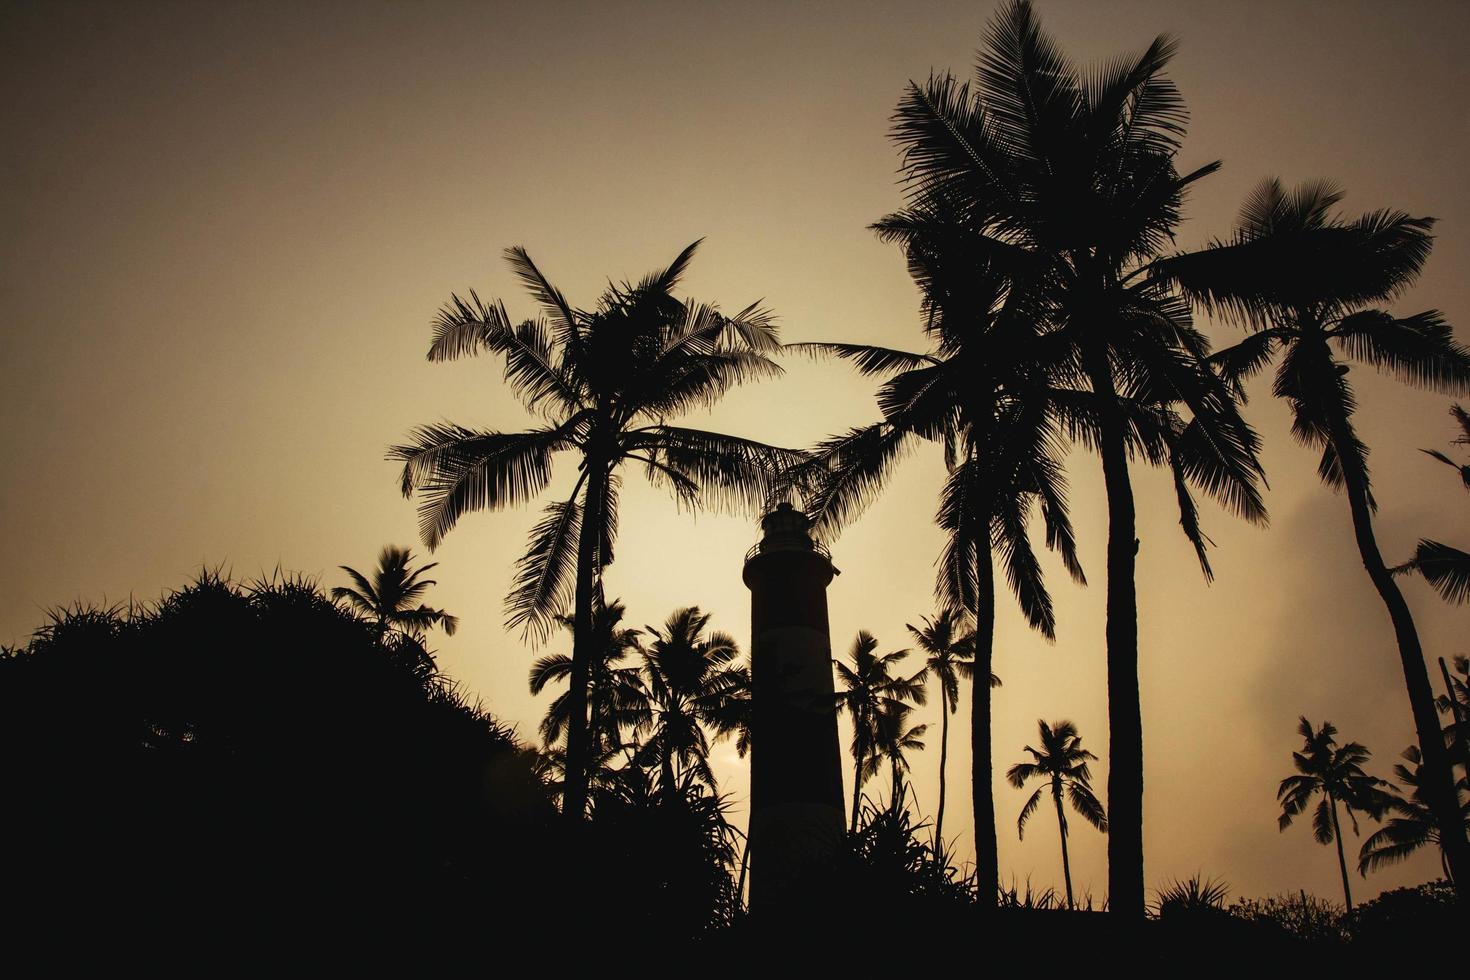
<point>227,227</point>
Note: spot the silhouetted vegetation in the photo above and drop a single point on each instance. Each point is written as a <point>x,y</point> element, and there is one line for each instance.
<point>1336,772</point>
<point>1062,763</point>
<point>235,752</point>
<point>1308,283</point>
<point>608,380</point>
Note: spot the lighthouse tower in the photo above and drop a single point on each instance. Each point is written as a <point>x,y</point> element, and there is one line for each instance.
<point>796,771</point>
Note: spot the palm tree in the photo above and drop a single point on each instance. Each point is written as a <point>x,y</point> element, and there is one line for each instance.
<point>689,682</point>
<point>388,598</point>
<point>893,739</point>
<point>1062,761</point>
<point>1068,175</point>
<point>985,394</point>
<point>1445,567</point>
<point>612,689</point>
<point>1337,773</point>
<point>1306,280</point>
<point>607,381</point>
<point>869,689</point>
<point>950,659</point>
<point>1413,825</point>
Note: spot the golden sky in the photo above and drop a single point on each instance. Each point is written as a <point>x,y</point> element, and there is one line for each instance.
<point>228,225</point>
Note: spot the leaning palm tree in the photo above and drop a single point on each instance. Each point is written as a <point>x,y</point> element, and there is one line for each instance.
<point>1062,762</point>
<point>389,597</point>
<point>868,689</point>
<point>1335,771</point>
<point>612,688</point>
<point>1308,283</point>
<point>1068,175</point>
<point>1412,826</point>
<point>951,658</point>
<point>690,685</point>
<point>607,381</point>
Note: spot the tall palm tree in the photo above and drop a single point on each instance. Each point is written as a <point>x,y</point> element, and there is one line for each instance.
<point>1307,282</point>
<point>1069,175</point>
<point>1335,771</point>
<point>689,684</point>
<point>868,689</point>
<point>607,381</point>
<point>389,597</point>
<point>612,689</point>
<point>985,393</point>
<point>951,658</point>
<point>1062,762</point>
<point>1412,827</point>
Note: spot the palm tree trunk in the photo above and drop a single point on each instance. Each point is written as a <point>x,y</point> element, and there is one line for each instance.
<point>1125,717</point>
<point>857,777</point>
<point>1439,783</point>
<point>1056,796</point>
<point>943,756</point>
<point>574,798</point>
<point>982,794</point>
<point>1347,891</point>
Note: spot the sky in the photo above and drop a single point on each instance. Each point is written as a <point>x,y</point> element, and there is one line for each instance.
<point>227,227</point>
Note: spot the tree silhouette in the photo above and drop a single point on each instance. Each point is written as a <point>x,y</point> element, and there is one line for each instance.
<point>986,395</point>
<point>612,689</point>
<point>1067,176</point>
<point>893,739</point>
<point>951,658</point>
<point>1062,762</point>
<point>1445,567</point>
<point>1337,773</point>
<point>388,599</point>
<point>868,689</point>
<point>1305,280</point>
<point>689,682</point>
<point>1412,827</point>
<point>607,381</point>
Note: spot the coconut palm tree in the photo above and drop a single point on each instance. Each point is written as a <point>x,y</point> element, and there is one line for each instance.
<point>868,689</point>
<point>1068,175</point>
<point>1062,762</point>
<point>1335,771</point>
<point>1412,827</point>
<point>1308,282</point>
<point>689,685</point>
<point>607,381</point>
<point>612,689</point>
<point>951,658</point>
<point>388,598</point>
<point>985,394</point>
<point>893,739</point>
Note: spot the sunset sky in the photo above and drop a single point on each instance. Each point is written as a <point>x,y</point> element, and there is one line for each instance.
<point>227,227</point>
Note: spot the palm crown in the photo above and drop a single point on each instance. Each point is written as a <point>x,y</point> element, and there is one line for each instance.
<point>612,688</point>
<point>1412,825</point>
<point>869,690</point>
<point>1336,772</point>
<point>389,597</point>
<point>690,681</point>
<point>606,380</point>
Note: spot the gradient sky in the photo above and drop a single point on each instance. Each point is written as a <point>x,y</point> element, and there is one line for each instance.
<point>227,227</point>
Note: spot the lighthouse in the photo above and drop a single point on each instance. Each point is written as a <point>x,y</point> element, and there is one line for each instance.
<point>796,771</point>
